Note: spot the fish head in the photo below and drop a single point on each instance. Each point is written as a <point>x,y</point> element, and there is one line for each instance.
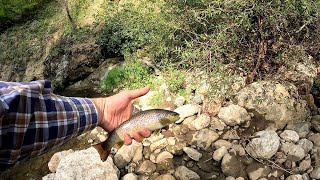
<point>171,117</point>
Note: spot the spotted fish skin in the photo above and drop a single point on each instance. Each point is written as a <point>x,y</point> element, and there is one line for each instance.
<point>152,120</point>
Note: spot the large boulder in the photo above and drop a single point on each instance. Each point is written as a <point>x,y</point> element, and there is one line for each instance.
<point>278,103</point>
<point>233,115</point>
<point>84,163</point>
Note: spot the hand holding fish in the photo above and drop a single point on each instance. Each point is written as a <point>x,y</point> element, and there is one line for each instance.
<point>114,110</point>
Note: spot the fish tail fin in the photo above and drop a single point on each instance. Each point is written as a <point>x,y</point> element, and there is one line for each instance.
<point>104,153</point>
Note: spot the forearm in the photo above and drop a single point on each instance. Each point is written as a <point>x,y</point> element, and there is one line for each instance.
<point>34,120</point>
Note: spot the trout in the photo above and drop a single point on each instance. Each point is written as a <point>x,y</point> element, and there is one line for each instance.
<point>153,119</point>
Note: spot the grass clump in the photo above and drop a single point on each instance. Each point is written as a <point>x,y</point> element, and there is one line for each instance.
<point>130,75</point>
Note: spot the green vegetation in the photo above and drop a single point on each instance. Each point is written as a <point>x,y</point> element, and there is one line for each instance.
<point>157,99</point>
<point>130,75</point>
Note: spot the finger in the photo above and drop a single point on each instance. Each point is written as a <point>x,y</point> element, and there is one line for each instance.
<point>138,92</point>
<point>145,132</point>
<point>127,139</point>
<point>137,137</point>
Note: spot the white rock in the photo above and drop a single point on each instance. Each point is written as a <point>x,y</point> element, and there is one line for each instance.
<point>294,152</point>
<point>201,122</point>
<point>204,138</point>
<point>315,174</point>
<point>101,137</point>
<point>163,156</point>
<point>183,173</point>
<point>306,145</point>
<point>186,111</point>
<point>165,177</point>
<point>265,146</point>
<point>84,163</point>
<point>179,101</point>
<point>56,158</point>
<point>50,176</point>
<point>130,176</point>
<point>192,153</point>
<point>159,144</point>
<point>146,167</point>
<point>217,124</point>
<point>221,142</point>
<point>125,154</point>
<point>290,136</point>
<point>138,154</point>
<point>168,99</point>
<point>230,178</point>
<point>294,177</point>
<point>233,115</point>
<point>219,153</point>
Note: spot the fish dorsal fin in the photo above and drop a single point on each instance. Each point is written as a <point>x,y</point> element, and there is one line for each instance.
<point>119,145</point>
<point>165,121</point>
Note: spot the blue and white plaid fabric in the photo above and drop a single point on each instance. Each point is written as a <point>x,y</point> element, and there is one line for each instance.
<point>33,120</point>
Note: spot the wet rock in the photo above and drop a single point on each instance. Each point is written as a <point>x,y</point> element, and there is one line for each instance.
<point>306,145</point>
<point>217,124</point>
<point>186,111</point>
<point>293,152</point>
<point>315,174</point>
<point>290,136</point>
<point>277,102</point>
<point>304,165</point>
<point>179,101</point>
<point>130,176</point>
<point>146,167</point>
<point>233,115</point>
<point>315,123</point>
<point>159,144</point>
<point>165,177</point>
<point>163,156</point>
<point>204,138</point>
<point>221,142</point>
<point>219,153</point>
<point>183,173</point>
<point>192,153</point>
<point>82,163</point>
<point>302,128</point>
<point>265,146</point>
<point>295,177</point>
<point>230,165</point>
<point>201,122</point>
<point>56,158</point>
<point>125,154</point>
<point>257,170</point>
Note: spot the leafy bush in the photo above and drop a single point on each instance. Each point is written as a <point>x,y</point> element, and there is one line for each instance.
<point>131,75</point>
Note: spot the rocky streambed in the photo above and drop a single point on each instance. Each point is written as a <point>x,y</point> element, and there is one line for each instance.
<point>267,131</point>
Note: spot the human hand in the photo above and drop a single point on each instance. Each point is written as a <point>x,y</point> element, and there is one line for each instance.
<point>114,110</point>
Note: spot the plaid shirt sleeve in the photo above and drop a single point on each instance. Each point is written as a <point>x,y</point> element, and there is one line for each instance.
<point>33,120</point>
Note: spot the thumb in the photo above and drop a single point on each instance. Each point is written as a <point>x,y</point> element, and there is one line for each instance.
<point>138,92</point>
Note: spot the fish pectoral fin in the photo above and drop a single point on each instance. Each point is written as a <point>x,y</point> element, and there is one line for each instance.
<point>104,153</point>
<point>119,145</point>
<point>165,121</point>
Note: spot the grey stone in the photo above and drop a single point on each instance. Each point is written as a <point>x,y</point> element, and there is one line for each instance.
<point>304,165</point>
<point>239,149</point>
<point>230,165</point>
<point>306,145</point>
<point>80,164</point>
<point>201,122</point>
<point>159,144</point>
<point>295,177</point>
<point>221,142</point>
<point>290,136</point>
<point>192,153</point>
<point>165,177</point>
<point>315,174</point>
<point>163,156</point>
<point>130,176</point>
<point>186,111</point>
<point>56,158</point>
<point>233,115</point>
<point>315,122</point>
<point>257,170</point>
<point>294,152</point>
<point>265,146</point>
<point>217,124</point>
<point>219,153</point>
<point>179,101</point>
<point>125,154</point>
<point>277,102</point>
<point>204,138</point>
<point>50,176</point>
<point>183,173</point>
<point>302,128</point>
<point>146,167</point>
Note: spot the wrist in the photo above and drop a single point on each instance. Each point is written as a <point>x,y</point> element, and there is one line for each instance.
<point>99,104</point>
